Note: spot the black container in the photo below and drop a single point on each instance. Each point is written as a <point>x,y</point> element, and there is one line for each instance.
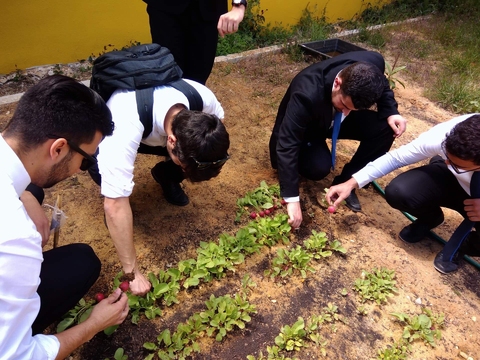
<point>329,48</point>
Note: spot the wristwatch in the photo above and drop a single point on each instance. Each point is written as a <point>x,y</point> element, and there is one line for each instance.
<point>239,2</point>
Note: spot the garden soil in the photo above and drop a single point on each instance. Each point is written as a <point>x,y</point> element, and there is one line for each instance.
<point>250,92</point>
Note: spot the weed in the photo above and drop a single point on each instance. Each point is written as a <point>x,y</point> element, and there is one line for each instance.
<point>390,71</point>
<point>57,69</point>
<point>19,75</point>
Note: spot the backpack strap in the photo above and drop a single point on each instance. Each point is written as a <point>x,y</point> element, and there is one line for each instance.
<point>145,102</point>
<point>194,98</point>
<point>145,109</point>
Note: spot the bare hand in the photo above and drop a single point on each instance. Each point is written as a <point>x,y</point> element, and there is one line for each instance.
<point>110,311</point>
<point>294,214</point>
<point>472,207</point>
<point>228,22</point>
<point>140,285</point>
<point>398,123</point>
<point>337,193</point>
<point>37,214</point>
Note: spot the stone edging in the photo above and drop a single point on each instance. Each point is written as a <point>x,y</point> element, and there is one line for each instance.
<point>7,99</point>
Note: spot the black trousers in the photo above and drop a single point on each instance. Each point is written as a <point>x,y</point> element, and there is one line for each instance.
<point>423,190</point>
<point>67,273</point>
<point>191,39</point>
<point>315,159</point>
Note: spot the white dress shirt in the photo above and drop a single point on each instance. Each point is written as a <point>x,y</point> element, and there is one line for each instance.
<point>20,262</point>
<point>117,153</point>
<point>425,146</point>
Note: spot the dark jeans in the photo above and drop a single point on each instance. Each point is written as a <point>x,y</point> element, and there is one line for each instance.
<point>423,190</point>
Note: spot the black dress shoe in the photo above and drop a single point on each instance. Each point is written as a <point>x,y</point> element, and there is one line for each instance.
<point>172,190</point>
<point>445,266</point>
<point>352,202</point>
<point>418,230</point>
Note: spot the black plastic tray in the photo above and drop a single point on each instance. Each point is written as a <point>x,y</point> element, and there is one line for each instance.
<point>329,48</point>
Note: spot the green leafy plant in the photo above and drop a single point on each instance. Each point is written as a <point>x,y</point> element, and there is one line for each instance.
<point>391,71</point>
<point>376,286</point>
<point>286,261</point>
<point>425,326</point>
<point>320,247</point>
<point>291,337</point>
<point>297,336</point>
<point>119,355</point>
<point>397,351</point>
<point>221,316</point>
<point>77,315</point>
<point>265,197</point>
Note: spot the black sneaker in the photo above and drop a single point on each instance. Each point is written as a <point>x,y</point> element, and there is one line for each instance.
<point>445,266</point>
<point>352,202</point>
<point>172,190</point>
<point>418,230</point>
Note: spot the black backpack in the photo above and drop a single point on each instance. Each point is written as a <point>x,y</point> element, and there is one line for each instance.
<point>141,68</point>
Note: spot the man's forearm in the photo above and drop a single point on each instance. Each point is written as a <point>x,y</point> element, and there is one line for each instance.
<point>74,337</point>
<point>120,224</point>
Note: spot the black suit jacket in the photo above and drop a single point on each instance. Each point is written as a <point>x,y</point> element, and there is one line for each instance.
<point>209,9</point>
<point>306,111</point>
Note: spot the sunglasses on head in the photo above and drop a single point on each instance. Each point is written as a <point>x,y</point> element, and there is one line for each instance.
<point>202,165</point>
<point>88,160</point>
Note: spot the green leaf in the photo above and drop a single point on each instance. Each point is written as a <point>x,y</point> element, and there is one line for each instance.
<point>150,346</point>
<point>110,330</point>
<point>65,324</point>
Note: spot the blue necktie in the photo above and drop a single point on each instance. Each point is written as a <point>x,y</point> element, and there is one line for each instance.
<point>337,121</point>
<point>461,233</point>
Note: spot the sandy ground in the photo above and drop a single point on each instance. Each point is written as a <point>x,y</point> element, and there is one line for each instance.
<point>250,92</point>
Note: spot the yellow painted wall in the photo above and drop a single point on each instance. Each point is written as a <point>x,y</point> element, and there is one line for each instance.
<point>36,32</point>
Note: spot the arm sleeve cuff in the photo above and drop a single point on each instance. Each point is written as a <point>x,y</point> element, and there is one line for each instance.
<point>292,199</point>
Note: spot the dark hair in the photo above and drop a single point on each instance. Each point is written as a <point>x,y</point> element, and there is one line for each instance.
<point>363,82</point>
<point>463,140</point>
<point>202,137</point>
<point>60,106</point>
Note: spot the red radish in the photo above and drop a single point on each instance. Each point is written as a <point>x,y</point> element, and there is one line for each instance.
<point>283,202</point>
<point>261,213</point>
<point>124,286</point>
<point>331,209</point>
<point>99,297</point>
<point>267,212</point>
<point>253,215</point>
<point>275,207</point>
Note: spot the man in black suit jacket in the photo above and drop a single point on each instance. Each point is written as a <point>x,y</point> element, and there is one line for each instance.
<point>190,29</point>
<point>349,83</point>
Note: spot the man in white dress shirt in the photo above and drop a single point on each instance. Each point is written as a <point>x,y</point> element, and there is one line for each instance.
<point>454,149</point>
<point>195,144</point>
<point>52,135</point>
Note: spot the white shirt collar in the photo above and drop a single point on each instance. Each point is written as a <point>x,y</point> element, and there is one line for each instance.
<point>13,168</point>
